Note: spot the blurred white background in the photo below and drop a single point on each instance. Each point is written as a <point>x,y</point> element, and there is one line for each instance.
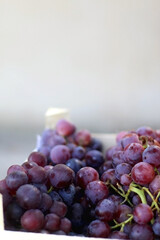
<point>99,58</point>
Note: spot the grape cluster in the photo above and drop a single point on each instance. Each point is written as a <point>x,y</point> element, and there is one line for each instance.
<point>68,187</point>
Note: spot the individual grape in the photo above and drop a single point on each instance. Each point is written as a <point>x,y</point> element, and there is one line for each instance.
<point>142,173</point>
<point>52,222</point>
<point>46,202</point>
<point>59,208</point>
<point>71,146</point>
<point>136,200</point>
<point>95,144</point>
<point>3,186</point>
<point>105,210</point>
<point>65,128</point>
<point>105,166</point>
<point>127,228</point>
<point>110,176</point>
<point>28,196</point>
<point>86,175</point>
<point>76,215</point>
<point>145,131</point>
<point>156,226</point>
<point>51,139</point>
<point>65,225</point>
<point>151,155</point>
<point>122,213</point>
<point>125,180</point>
<point>32,220</point>
<point>154,186</point>
<point>61,176</point>
<point>122,168</point>
<point>94,158</point>
<point>110,151</point>
<point>60,154</point>
<point>27,165</point>
<point>55,196</point>
<point>44,150</point>
<point>38,158</point>
<point>98,229</point>
<point>118,235</point>
<point>15,168</point>
<point>14,212</point>
<point>117,199</point>
<point>133,153</point>
<point>47,169</point>
<point>15,179</point>
<point>128,139</point>
<point>83,137</point>
<point>7,198</point>
<point>68,194</point>
<point>75,164</point>
<point>142,213</point>
<point>96,191</point>
<point>37,174</point>
<point>41,186</point>
<point>142,232</point>
<point>117,158</point>
<point>78,152</point>
<point>120,135</point>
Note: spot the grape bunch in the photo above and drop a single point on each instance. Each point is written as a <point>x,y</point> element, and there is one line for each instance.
<point>69,187</point>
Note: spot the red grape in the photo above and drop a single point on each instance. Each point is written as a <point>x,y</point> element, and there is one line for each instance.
<point>141,232</point>
<point>38,158</point>
<point>154,186</point>
<point>83,137</point>
<point>142,213</point>
<point>105,210</point>
<point>32,220</point>
<point>86,175</point>
<point>64,128</point>
<point>65,225</point>
<point>94,158</point>
<point>98,229</point>
<point>60,154</point>
<point>52,222</point>
<point>133,153</point>
<point>15,179</point>
<point>151,155</point>
<point>59,208</point>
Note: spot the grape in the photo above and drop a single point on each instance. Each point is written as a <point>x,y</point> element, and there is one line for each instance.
<point>65,225</point>
<point>105,166</point>
<point>136,200</point>
<point>142,213</point>
<point>27,165</point>
<point>86,175</point>
<point>64,128</point>
<point>47,169</point>
<point>55,196</point>
<point>77,217</point>
<point>52,222</point>
<point>46,202</point>
<point>38,158</point>
<point>117,158</point>
<point>51,139</point>
<point>94,158</point>
<point>142,173</point>
<point>116,199</point>
<point>133,153</point>
<point>74,164</point>
<point>37,174</point>
<point>3,186</point>
<point>142,232</point>
<point>95,144</point>
<point>32,220</point>
<point>78,152</point>
<point>59,208</point>
<point>125,180</point>
<point>105,210</point>
<point>98,229</point>
<point>15,168</point>
<point>120,135</point>
<point>151,155</point>
<point>128,139</point>
<point>122,168</point>
<point>14,212</point>
<point>15,179</point>
<point>118,235</point>
<point>145,131</point>
<point>68,194</point>
<point>44,150</point>
<point>61,176</point>
<point>83,137</point>
<point>156,226</point>
<point>109,175</point>
<point>28,196</point>
<point>96,191</point>
<point>71,146</point>
<point>122,213</point>
<point>60,154</point>
<point>154,186</point>
<point>110,151</point>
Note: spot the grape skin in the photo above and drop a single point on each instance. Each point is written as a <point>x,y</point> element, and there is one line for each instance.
<point>142,214</point>
<point>32,220</point>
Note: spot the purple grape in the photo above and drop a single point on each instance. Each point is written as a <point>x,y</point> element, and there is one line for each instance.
<point>52,222</point>
<point>15,168</point>
<point>68,194</point>
<point>133,153</point>
<point>60,154</point>
<point>122,213</point>
<point>128,139</point>
<point>65,225</point>
<point>118,235</point>
<point>37,174</point>
<point>110,151</point>
<point>55,196</point>
<point>83,137</point>
<point>32,220</point>
<point>44,150</point>
<point>156,226</point>
<point>117,158</point>
<point>28,196</point>
<point>94,158</point>
<point>65,128</point>
<point>105,210</point>
<point>15,179</point>
<point>86,175</point>
<point>27,165</point>
<point>38,158</point>
<point>151,155</point>
<point>76,215</point>
<point>74,164</point>
<point>98,229</point>
<point>95,144</point>
<point>61,176</point>
<point>78,152</point>
<point>122,168</point>
<point>59,208</point>
<point>145,131</point>
<point>125,180</point>
<point>46,202</point>
<point>154,186</point>
<point>14,212</point>
<point>110,176</point>
<point>142,213</point>
<point>51,139</point>
<point>142,232</point>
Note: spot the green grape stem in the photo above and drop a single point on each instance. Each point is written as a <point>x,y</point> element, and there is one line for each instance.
<point>122,224</point>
